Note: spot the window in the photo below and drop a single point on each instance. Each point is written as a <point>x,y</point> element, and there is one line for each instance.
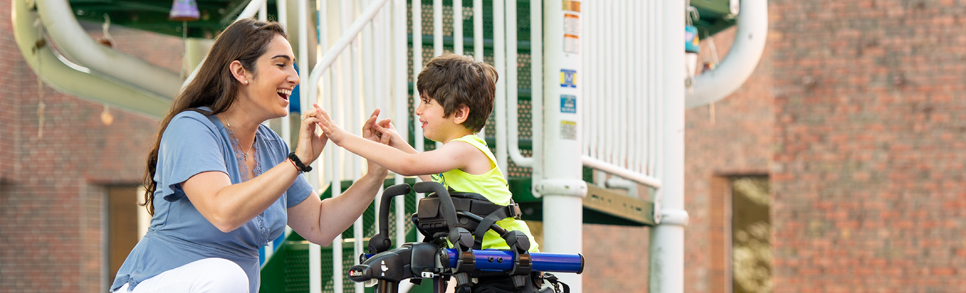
<point>751,234</point>
<point>125,224</point>
<point>740,234</point>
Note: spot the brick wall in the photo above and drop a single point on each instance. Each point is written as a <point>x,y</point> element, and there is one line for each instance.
<point>616,258</point>
<point>54,186</point>
<point>736,139</point>
<point>9,96</point>
<point>868,174</point>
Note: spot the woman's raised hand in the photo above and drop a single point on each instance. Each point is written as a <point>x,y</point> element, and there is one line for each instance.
<point>311,142</point>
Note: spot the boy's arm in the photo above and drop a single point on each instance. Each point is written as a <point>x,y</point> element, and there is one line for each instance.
<point>387,132</point>
<point>448,157</point>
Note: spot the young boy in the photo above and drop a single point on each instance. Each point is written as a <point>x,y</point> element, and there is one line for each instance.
<point>456,94</point>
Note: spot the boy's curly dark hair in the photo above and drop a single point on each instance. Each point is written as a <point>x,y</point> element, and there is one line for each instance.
<point>453,80</point>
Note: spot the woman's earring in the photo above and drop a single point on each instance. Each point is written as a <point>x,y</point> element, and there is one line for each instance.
<point>246,82</point>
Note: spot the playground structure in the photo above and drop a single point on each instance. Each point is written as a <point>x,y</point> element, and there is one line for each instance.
<point>592,102</point>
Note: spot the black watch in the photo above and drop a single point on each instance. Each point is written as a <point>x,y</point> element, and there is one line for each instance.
<point>298,163</point>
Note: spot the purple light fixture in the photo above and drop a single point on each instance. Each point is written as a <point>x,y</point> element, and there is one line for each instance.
<point>184,10</point>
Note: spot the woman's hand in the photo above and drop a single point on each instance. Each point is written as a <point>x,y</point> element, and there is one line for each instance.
<point>310,142</point>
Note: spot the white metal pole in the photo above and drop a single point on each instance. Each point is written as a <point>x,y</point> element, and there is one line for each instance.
<point>348,92</point>
<point>636,95</point>
<point>512,93</point>
<point>438,35</point>
<point>282,7</point>
<point>417,66</point>
<point>478,29</point>
<point>562,189</point>
<point>355,91</point>
<point>400,97</point>
<point>377,69</point>
<point>622,95</point>
<point>458,27</point>
<point>286,121</point>
<point>437,27</point>
<point>362,103</point>
<point>478,40</point>
<point>303,59</point>
<point>357,96</point>
<point>325,78</point>
<point>652,85</point>
<point>499,60</point>
<point>368,69</point>
<point>667,238</point>
<point>590,86</point>
<point>611,78</point>
<point>536,88</point>
<point>333,158</point>
<point>319,95</point>
<point>595,40</point>
<point>315,251</point>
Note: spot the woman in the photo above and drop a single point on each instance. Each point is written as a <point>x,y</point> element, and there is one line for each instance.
<point>220,185</point>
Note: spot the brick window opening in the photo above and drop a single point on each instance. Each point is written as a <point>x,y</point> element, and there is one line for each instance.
<point>127,223</point>
<point>741,234</point>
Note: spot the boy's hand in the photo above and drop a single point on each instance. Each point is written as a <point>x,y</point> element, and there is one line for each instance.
<point>329,128</point>
<point>310,143</point>
<point>370,134</point>
<point>388,133</point>
<point>369,130</point>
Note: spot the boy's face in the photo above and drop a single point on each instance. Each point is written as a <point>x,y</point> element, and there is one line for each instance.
<point>436,126</point>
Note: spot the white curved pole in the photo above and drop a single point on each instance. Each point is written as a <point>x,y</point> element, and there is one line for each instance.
<point>741,61</point>
<point>512,92</point>
<point>64,30</point>
<point>66,79</point>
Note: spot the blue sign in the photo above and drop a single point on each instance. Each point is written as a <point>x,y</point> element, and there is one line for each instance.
<point>568,78</point>
<point>568,104</point>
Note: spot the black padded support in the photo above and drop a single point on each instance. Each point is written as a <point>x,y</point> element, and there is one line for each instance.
<point>484,226</point>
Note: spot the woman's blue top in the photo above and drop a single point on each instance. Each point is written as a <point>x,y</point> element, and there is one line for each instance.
<point>179,234</point>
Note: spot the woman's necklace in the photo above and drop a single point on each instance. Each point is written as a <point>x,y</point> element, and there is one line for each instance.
<point>243,163</point>
<point>235,139</point>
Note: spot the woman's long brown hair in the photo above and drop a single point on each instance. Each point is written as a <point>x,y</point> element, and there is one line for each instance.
<point>214,86</point>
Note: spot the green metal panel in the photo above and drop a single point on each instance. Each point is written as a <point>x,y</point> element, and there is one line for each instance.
<point>152,15</point>
<point>716,16</point>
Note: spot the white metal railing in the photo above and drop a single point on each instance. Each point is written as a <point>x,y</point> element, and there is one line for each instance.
<point>621,92</point>
<point>367,67</point>
<point>350,84</point>
<point>621,89</point>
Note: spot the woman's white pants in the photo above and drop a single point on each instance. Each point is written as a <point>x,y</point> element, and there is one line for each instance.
<point>210,275</point>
